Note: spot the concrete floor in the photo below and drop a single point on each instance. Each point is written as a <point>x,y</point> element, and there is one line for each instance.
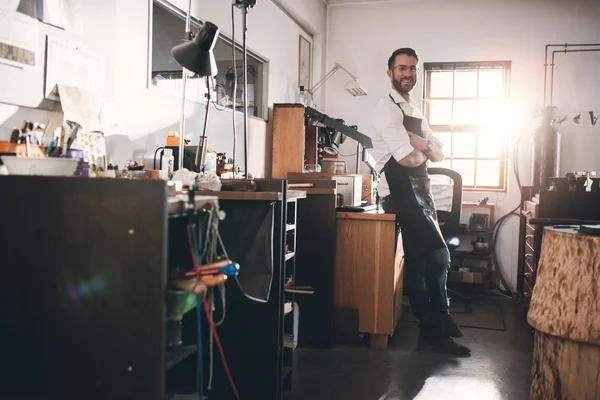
<point>499,368</point>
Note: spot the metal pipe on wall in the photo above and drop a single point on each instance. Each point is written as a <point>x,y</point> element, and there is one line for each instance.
<point>552,69</point>
<point>565,45</point>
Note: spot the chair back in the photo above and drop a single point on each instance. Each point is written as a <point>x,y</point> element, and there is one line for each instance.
<point>447,194</point>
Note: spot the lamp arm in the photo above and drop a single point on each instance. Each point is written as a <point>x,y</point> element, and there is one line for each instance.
<point>346,71</point>
<point>317,85</point>
<point>335,68</point>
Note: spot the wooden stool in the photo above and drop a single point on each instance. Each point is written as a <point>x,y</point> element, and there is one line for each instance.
<point>565,311</point>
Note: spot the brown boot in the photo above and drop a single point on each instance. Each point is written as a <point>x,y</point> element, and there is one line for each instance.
<point>433,339</point>
<point>449,327</point>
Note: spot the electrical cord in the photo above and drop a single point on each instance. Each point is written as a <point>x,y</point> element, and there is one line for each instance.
<point>211,343</point>
<point>220,347</point>
<point>195,255</point>
<point>237,281</point>
<point>222,291</point>
<point>208,255</point>
<point>495,232</point>
<point>500,222</point>
<point>199,328</point>
<point>214,102</point>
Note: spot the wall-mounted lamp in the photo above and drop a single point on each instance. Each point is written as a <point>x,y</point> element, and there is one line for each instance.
<point>353,86</point>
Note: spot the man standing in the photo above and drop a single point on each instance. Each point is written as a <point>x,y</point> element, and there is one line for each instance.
<point>402,145</point>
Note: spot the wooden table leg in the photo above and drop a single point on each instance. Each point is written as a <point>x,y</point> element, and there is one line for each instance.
<point>379,341</point>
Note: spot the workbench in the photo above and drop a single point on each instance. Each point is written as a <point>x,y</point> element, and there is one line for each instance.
<point>369,270</point>
<point>83,288</point>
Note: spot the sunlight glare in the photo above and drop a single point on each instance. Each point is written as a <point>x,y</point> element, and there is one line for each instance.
<point>452,388</point>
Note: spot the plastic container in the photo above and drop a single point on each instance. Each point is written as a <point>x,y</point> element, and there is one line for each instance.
<point>167,160</point>
<point>302,96</point>
<point>40,166</point>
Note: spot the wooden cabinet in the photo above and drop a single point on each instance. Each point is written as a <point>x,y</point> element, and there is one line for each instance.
<point>288,140</point>
<point>369,270</point>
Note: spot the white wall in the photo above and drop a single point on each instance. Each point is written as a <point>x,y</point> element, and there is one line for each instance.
<point>362,37</point>
<point>312,15</point>
<point>138,118</point>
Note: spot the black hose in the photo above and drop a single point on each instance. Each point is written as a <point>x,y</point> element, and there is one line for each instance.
<point>501,220</point>
<point>495,231</point>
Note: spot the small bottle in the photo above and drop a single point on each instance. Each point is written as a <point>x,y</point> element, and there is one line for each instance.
<point>167,160</point>
<point>110,170</point>
<point>302,96</point>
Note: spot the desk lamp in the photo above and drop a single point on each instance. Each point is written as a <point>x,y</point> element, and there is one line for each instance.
<point>197,56</point>
<point>353,86</point>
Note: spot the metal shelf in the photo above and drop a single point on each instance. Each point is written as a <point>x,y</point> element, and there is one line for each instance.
<point>178,354</point>
<point>468,254</point>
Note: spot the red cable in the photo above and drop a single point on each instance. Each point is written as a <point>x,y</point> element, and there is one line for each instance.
<point>216,336</point>
<point>210,321</point>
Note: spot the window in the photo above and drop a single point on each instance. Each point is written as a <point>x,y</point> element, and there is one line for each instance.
<point>465,105</point>
<point>168,29</point>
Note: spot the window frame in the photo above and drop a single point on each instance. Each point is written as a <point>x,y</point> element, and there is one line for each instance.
<point>197,23</point>
<point>505,66</point>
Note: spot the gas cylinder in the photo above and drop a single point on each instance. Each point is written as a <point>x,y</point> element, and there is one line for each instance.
<point>545,152</point>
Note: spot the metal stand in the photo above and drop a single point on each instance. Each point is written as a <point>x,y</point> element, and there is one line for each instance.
<point>244,30</point>
<point>244,5</point>
<point>358,157</point>
<point>203,141</point>
<point>188,36</point>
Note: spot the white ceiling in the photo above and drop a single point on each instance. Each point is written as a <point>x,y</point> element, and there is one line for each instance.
<point>332,2</point>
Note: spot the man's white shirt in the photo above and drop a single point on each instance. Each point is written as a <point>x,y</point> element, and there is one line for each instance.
<point>389,136</point>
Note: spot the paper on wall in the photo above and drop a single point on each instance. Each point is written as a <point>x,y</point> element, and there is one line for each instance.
<point>81,106</point>
<point>19,37</point>
<point>70,64</point>
<point>64,14</point>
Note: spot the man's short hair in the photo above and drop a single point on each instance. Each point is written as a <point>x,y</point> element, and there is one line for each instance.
<point>404,50</point>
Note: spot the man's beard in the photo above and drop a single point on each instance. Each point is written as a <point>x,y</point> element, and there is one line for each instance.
<point>406,86</point>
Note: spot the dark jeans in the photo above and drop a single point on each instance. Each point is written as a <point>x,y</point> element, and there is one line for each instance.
<point>425,280</point>
<point>426,285</point>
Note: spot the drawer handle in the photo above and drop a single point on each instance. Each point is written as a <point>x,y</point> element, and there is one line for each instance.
<point>528,275</point>
<point>527,238</point>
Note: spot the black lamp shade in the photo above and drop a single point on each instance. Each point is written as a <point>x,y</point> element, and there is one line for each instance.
<point>197,55</point>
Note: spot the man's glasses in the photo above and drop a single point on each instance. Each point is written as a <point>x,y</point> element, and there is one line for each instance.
<point>404,68</point>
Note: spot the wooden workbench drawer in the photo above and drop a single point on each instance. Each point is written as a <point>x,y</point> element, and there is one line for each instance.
<point>531,209</point>
<point>530,275</point>
<point>530,257</point>
<point>527,292</point>
<point>531,229</point>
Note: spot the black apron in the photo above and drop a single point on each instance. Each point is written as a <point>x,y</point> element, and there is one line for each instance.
<point>410,189</point>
